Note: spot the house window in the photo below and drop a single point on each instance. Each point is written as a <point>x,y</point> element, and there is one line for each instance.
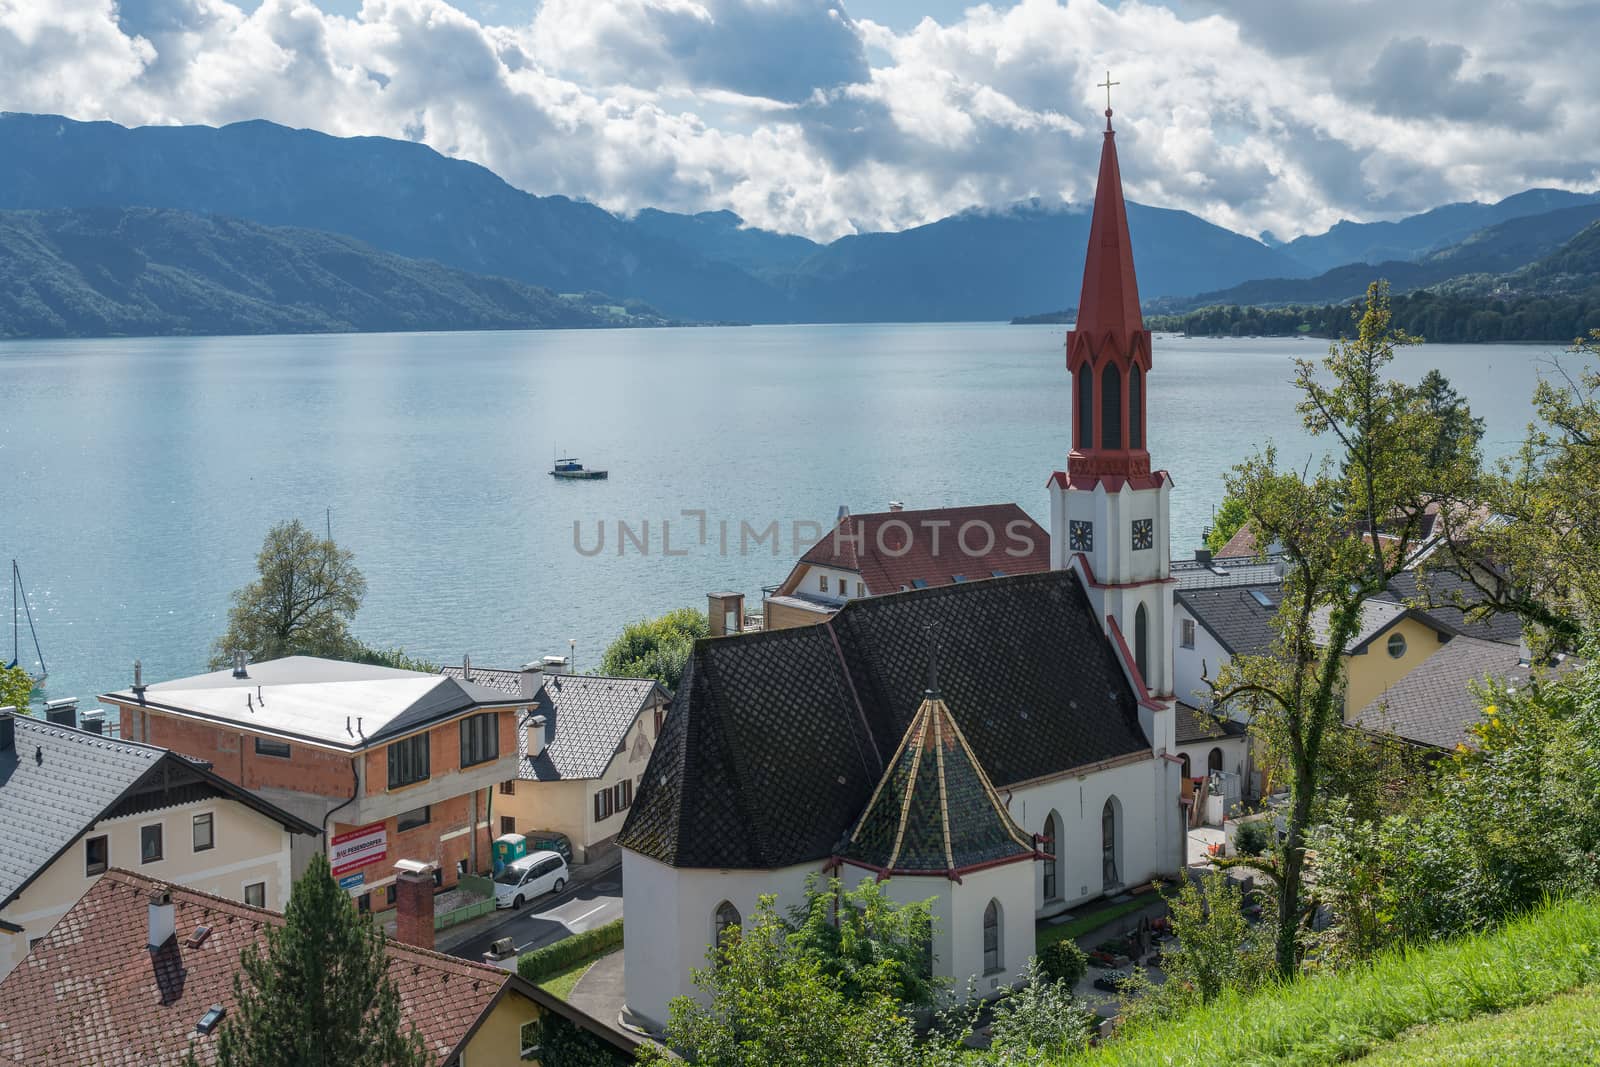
<point>508,825</point>
<point>660,711</point>
<point>408,761</point>
<point>203,836</point>
<point>150,843</point>
<point>480,738</point>
<point>724,919</point>
<point>532,1039</point>
<point>822,582</point>
<point>1214,760</point>
<point>410,820</point>
<point>508,788</point>
<point>255,894</point>
<point>265,746</point>
<point>991,937</point>
<point>607,802</point>
<point>1397,646</point>
<point>1186,633</point>
<point>1052,834</point>
<point>861,589</point>
<point>96,856</point>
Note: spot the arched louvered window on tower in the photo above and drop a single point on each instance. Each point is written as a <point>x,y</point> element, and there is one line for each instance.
<point>725,923</point>
<point>1111,406</point>
<point>1085,393</point>
<point>1141,643</point>
<point>1135,408</point>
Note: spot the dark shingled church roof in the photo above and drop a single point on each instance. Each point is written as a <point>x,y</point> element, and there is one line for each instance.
<point>934,811</point>
<point>777,740</point>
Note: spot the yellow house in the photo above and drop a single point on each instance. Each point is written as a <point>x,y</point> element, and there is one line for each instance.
<point>139,972</point>
<point>77,803</point>
<point>1392,641</point>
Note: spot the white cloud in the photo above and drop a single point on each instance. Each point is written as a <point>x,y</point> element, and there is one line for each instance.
<point>1280,114</point>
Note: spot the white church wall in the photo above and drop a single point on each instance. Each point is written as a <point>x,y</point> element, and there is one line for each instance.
<point>1011,886</point>
<point>676,919</point>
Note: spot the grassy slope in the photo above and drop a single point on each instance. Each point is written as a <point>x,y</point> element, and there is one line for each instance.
<point>1333,1019</point>
<point>561,983</point>
<point>1564,1030</point>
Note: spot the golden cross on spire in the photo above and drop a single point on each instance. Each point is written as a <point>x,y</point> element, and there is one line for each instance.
<point>1106,85</point>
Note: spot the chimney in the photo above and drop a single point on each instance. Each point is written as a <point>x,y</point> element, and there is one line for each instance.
<point>163,918</point>
<point>1202,556</point>
<point>8,729</point>
<point>238,665</point>
<point>533,729</point>
<point>724,613</point>
<point>63,712</point>
<point>555,664</point>
<point>413,903</point>
<point>844,513</point>
<point>94,722</point>
<point>138,680</point>
<point>897,505</point>
<point>532,679</point>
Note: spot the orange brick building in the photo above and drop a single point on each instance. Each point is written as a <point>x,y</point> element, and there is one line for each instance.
<point>391,764</point>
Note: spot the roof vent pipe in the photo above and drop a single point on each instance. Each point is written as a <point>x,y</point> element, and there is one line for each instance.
<point>238,664</point>
<point>897,505</point>
<point>466,667</point>
<point>138,681</point>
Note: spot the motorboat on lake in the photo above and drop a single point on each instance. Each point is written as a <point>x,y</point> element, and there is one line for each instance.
<point>569,467</point>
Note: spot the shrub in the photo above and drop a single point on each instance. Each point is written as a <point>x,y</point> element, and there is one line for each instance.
<point>1063,961</point>
<point>541,963</point>
<point>1253,838</point>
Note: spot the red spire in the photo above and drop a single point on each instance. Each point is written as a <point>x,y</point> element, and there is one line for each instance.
<point>1109,303</point>
<point>1108,341</point>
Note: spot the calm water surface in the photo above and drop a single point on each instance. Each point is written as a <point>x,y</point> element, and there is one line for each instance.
<point>138,477</point>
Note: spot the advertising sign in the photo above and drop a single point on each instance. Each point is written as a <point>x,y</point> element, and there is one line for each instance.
<point>351,882</point>
<point>358,848</point>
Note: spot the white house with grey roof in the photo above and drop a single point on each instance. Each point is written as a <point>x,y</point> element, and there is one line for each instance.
<point>583,746</point>
<point>75,804</point>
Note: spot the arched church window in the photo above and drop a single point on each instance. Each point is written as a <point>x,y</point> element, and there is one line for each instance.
<point>726,919</point>
<point>1111,406</point>
<point>1185,770</point>
<point>1135,408</point>
<point>1085,393</point>
<point>1050,848</point>
<point>1108,844</point>
<point>1214,761</point>
<point>1141,643</point>
<point>991,937</point>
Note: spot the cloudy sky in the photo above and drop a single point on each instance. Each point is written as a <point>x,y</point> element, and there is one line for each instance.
<point>826,117</point>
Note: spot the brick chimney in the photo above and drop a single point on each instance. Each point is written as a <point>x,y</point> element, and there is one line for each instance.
<point>413,903</point>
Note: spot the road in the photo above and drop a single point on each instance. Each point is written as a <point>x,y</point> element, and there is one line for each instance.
<point>547,921</point>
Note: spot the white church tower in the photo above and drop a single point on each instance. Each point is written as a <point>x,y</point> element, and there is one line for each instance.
<point>1108,509</point>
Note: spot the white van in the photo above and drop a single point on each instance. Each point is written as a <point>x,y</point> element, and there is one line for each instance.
<point>531,876</point>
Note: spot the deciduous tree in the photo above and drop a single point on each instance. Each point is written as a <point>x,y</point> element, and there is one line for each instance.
<point>16,687</point>
<point>302,604</point>
<point>656,648</point>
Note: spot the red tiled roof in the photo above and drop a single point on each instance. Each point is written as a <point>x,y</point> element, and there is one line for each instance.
<point>1112,482</point>
<point>91,992</point>
<point>1242,543</point>
<point>893,549</point>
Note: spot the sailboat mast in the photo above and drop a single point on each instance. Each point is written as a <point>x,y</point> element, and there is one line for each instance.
<point>15,655</point>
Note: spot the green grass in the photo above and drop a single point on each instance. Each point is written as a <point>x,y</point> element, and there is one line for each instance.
<point>1558,1032</point>
<point>1076,928</point>
<point>561,982</point>
<point>1332,1019</point>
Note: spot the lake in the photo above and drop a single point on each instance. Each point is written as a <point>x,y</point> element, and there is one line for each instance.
<point>141,475</point>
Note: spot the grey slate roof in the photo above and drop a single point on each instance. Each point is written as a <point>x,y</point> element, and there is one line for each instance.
<point>1193,725</point>
<point>1219,573</point>
<point>58,782</point>
<point>1233,615</point>
<point>586,717</point>
<point>1432,705</point>
<point>500,679</point>
<point>1446,597</point>
<point>776,740</point>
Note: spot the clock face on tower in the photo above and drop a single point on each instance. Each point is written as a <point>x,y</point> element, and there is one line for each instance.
<point>1080,536</point>
<point>1143,533</point>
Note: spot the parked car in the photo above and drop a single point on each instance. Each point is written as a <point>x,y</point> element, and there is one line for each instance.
<point>1111,981</point>
<point>531,876</point>
<point>549,841</point>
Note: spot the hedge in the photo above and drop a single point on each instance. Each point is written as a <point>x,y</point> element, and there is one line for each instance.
<point>541,963</point>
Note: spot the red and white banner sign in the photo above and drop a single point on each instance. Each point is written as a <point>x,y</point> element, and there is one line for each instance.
<point>358,848</point>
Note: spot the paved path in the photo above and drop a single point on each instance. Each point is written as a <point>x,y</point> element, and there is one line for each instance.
<point>600,991</point>
<point>548,920</point>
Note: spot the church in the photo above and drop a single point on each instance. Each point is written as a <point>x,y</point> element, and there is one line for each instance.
<point>1003,746</point>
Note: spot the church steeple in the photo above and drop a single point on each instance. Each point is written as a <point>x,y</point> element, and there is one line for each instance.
<point>1108,349</point>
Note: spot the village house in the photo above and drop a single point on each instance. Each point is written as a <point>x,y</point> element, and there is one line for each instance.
<point>75,803</point>
<point>1035,772</point>
<point>391,764</point>
<point>140,971</point>
<point>896,550</point>
<point>582,745</point>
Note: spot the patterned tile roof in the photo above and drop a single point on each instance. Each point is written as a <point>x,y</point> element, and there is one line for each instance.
<point>57,782</point>
<point>892,550</point>
<point>934,811</point>
<point>91,992</point>
<point>1192,574</point>
<point>776,740</point>
<point>500,679</point>
<point>586,718</point>
<point>1448,598</point>
<point>1433,704</point>
<point>1239,617</point>
<point>1192,725</point>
